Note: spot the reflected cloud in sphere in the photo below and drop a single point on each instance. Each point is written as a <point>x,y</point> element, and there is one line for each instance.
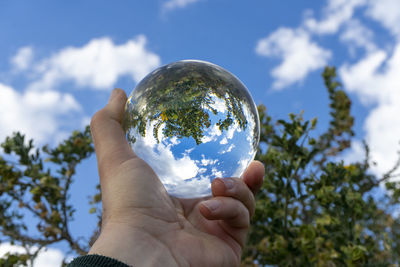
<point>192,121</point>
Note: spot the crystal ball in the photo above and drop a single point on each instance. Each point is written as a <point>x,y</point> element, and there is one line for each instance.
<point>192,121</point>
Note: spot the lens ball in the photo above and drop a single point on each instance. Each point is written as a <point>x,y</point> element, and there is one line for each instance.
<point>192,121</point>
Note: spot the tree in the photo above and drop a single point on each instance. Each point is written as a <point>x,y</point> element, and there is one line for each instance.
<point>312,210</point>
<point>37,182</point>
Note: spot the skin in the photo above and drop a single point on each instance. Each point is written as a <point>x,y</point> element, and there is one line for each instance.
<point>143,226</point>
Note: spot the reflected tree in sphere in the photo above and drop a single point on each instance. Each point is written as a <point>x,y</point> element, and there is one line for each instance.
<point>192,121</point>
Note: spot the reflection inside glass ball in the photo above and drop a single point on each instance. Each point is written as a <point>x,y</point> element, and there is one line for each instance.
<point>192,121</point>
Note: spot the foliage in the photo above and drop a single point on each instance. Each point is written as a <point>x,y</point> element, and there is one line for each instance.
<point>35,186</point>
<point>312,210</point>
<point>181,99</point>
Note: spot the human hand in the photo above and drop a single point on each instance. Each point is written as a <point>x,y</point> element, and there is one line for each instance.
<point>143,226</point>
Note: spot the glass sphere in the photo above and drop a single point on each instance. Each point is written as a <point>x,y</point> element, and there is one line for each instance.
<point>192,121</point>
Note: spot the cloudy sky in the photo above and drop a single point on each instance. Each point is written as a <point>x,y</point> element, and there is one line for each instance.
<point>60,60</point>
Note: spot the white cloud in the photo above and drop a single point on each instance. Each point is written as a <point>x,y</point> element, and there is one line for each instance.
<point>217,173</point>
<point>227,150</point>
<point>339,12</point>
<point>224,141</point>
<point>299,55</point>
<point>36,114</point>
<point>387,12</point>
<point>177,173</point>
<point>218,103</point>
<point>235,128</point>
<point>193,188</point>
<point>49,257</point>
<point>376,81</point>
<point>174,4</point>
<point>361,77</point>
<point>374,78</point>
<point>357,35</point>
<point>98,64</point>
<point>242,165</point>
<point>23,58</point>
<point>212,134</point>
<point>40,111</point>
<point>173,169</point>
<point>355,154</point>
<point>334,15</point>
<point>207,162</point>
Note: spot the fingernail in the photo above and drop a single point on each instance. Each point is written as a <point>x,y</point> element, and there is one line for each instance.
<point>212,204</point>
<point>228,183</point>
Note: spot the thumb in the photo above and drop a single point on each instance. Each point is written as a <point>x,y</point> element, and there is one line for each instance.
<point>112,148</point>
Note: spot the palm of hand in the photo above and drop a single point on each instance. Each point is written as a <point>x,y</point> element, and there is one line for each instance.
<point>179,225</point>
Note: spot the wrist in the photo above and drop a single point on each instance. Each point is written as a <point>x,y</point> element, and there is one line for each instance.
<point>134,247</point>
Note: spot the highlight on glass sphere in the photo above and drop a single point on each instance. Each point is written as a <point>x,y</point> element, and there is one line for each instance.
<point>192,121</point>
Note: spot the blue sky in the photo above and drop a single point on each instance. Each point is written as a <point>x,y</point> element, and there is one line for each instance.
<point>60,60</point>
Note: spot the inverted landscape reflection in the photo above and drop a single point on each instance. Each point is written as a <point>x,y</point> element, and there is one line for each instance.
<point>192,122</point>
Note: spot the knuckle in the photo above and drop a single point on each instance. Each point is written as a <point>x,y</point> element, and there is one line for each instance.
<point>244,215</point>
<point>240,210</point>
